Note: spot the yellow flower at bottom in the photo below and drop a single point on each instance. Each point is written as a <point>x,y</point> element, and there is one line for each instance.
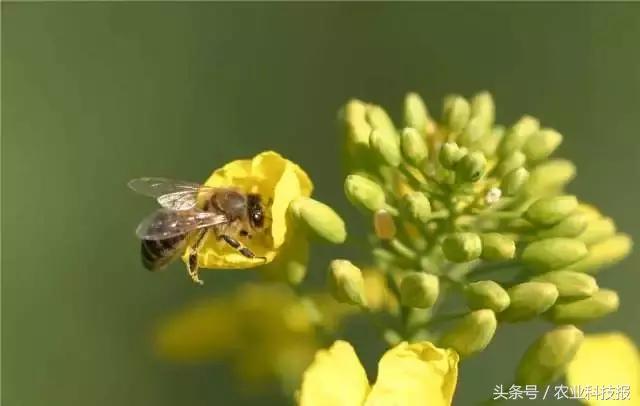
<point>408,375</point>
<point>264,330</point>
<point>278,181</point>
<point>607,360</point>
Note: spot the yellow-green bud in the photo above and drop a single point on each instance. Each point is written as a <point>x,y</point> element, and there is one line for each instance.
<point>497,247</point>
<point>550,176</point>
<point>541,144</point>
<point>600,304</point>
<point>588,210</point>
<point>462,247</point>
<point>472,334</point>
<point>572,226</point>
<point>547,358</point>
<point>483,107</point>
<point>570,284</point>
<point>384,225</point>
<point>386,145</point>
<point>364,192</point>
<point>488,143</point>
<point>514,180</point>
<point>414,148</point>
<point>417,205</point>
<point>487,295</point>
<point>597,230</point>
<point>391,337</point>
<point>529,299</point>
<point>378,118</point>
<point>509,163</point>
<point>356,126</point>
<point>517,135</point>
<point>456,112</point>
<point>346,282</point>
<point>471,167</point>
<point>475,129</point>
<point>419,289</point>
<point>416,114</point>
<point>550,210</point>
<point>319,218</point>
<point>553,253</point>
<point>450,154</point>
<point>604,253</point>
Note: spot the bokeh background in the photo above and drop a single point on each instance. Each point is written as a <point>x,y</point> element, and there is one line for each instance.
<point>94,94</point>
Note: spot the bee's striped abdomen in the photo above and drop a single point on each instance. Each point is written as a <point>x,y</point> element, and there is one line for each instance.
<point>156,254</point>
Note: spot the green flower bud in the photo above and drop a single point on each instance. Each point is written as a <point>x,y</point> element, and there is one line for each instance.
<point>514,180</point>
<point>418,206</point>
<point>462,247</point>
<point>598,305</point>
<point>471,167</point>
<point>570,284</point>
<point>550,176</point>
<point>547,358</point>
<point>515,137</point>
<point>383,225</point>
<point>541,144</point>
<point>604,253</point>
<point>378,118</point>
<point>319,218</point>
<point>474,130</point>
<point>553,253</point>
<point>472,334</point>
<point>450,154</point>
<point>487,295</point>
<point>483,107</point>
<point>597,230</point>
<point>364,192</point>
<point>419,289</point>
<point>346,282</point>
<point>414,148</point>
<point>356,126</point>
<point>511,162</point>
<point>416,114</point>
<point>550,210</point>
<point>497,247</point>
<point>386,145</point>
<point>572,226</point>
<point>456,112</point>
<point>529,299</point>
<point>488,143</point>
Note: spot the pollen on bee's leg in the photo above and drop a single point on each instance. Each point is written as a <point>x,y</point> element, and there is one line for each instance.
<point>192,268</point>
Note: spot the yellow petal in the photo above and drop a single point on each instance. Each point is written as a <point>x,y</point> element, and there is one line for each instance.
<point>607,359</point>
<point>206,330</point>
<point>278,181</point>
<point>415,375</point>
<point>335,378</point>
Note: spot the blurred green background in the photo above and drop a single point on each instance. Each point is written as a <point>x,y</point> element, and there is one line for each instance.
<point>94,94</point>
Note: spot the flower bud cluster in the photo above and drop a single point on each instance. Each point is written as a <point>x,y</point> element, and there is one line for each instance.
<point>462,204</point>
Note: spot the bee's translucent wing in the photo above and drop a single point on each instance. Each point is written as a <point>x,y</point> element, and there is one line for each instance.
<point>170,193</point>
<point>165,223</point>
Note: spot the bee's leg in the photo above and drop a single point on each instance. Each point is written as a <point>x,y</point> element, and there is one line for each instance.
<point>241,249</point>
<point>192,263</point>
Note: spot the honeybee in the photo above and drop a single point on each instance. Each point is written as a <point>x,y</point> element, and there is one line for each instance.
<point>188,212</point>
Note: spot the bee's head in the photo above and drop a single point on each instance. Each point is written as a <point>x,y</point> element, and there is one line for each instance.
<point>255,210</point>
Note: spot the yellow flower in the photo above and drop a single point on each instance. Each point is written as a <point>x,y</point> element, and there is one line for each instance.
<point>263,330</point>
<point>278,181</point>
<point>408,375</point>
<point>603,360</point>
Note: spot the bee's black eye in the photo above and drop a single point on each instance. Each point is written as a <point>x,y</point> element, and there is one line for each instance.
<point>258,219</point>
